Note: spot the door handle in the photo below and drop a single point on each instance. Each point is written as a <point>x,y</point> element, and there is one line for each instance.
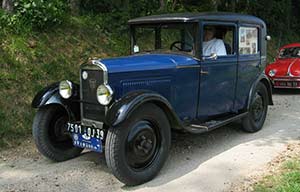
<point>203,72</point>
<point>212,56</point>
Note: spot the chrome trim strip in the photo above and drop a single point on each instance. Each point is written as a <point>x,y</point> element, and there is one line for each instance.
<point>286,87</point>
<point>187,66</point>
<point>199,126</point>
<point>103,67</point>
<point>290,79</point>
<point>289,69</point>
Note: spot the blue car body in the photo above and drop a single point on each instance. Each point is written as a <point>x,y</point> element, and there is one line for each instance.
<point>127,106</point>
<point>195,89</point>
<point>160,73</point>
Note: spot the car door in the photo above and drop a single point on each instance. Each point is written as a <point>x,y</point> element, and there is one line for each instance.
<point>218,76</point>
<point>249,64</point>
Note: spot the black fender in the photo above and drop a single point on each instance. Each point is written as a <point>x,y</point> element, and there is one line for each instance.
<point>50,95</point>
<point>265,80</point>
<point>120,110</point>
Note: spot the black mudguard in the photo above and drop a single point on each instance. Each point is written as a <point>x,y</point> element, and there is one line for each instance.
<point>123,107</point>
<point>50,95</point>
<point>265,80</point>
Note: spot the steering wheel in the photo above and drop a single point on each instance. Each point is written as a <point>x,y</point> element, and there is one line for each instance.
<point>174,45</point>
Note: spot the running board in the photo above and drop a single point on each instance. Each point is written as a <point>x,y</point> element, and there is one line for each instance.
<point>213,124</point>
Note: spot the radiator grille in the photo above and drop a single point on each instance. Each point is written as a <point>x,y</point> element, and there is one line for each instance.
<point>91,109</point>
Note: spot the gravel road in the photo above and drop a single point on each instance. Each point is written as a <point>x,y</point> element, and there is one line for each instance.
<point>207,162</point>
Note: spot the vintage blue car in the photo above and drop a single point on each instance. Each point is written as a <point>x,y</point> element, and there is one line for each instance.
<point>192,72</point>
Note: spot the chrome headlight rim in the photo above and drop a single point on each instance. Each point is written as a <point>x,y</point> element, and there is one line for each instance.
<point>272,73</point>
<point>65,89</point>
<point>104,94</point>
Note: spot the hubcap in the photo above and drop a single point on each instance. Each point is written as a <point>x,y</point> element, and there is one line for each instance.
<point>58,135</point>
<point>142,145</point>
<point>60,129</point>
<point>257,107</point>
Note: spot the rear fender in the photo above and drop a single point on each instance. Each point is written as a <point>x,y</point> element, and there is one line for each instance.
<point>265,80</point>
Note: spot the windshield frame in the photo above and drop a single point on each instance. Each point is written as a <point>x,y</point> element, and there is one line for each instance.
<point>195,27</point>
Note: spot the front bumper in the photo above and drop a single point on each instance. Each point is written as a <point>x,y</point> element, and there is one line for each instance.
<point>286,82</point>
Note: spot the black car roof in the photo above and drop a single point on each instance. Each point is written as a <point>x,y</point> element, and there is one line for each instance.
<point>193,17</point>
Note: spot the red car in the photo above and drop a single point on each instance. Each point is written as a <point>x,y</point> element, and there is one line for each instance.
<point>285,71</point>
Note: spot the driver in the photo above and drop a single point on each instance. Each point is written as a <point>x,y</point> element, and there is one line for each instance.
<point>211,44</point>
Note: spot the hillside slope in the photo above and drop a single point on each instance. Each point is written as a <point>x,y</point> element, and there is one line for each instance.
<point>30,61</point>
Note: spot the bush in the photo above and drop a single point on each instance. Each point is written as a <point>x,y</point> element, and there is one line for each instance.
<point>37,14</point>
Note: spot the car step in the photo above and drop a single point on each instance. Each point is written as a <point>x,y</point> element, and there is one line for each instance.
<point>213,124</point>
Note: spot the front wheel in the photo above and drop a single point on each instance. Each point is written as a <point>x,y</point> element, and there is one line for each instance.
<point>255,119</point>
<point>51,136</point>
<point>136,150</point>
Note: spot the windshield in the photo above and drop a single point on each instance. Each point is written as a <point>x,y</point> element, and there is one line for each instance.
<point>291,52</point>
<point>164,38</point>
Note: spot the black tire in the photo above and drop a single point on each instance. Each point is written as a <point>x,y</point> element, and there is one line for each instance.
<point>256,117</point>
<point>50,135</point>
<point>128,156</point>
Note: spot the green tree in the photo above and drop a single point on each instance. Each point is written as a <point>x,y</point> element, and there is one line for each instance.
<point>8,5</point>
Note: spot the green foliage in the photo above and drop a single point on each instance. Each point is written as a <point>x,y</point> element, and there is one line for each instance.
<point>36,14</point>
<point>31,61</point>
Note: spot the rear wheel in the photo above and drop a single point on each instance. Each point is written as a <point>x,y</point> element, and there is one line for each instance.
<point>137,149</point>
<point>255,119</point>
<point>51,136</point>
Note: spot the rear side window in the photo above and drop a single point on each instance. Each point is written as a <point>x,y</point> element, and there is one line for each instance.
<point>248,40</point>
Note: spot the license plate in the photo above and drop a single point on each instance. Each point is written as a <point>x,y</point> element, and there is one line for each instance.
<point>288,84</point>
<point>295,84</point>
<point>86,137</point>
<point>282,83</point>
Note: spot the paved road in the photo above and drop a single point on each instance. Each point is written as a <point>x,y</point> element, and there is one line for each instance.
<point>208,162</point>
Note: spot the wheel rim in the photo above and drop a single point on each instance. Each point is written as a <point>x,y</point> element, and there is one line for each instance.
<point>58,134</point>
<point>258,107</point>
<point>142,145</point>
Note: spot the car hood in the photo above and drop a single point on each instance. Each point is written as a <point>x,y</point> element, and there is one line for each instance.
<point>142,62</point>
<point>285,66</point>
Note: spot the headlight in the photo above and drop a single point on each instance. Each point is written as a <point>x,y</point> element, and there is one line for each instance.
<point>65,89</point>
<point>272,73</point>
<point>104,94</point>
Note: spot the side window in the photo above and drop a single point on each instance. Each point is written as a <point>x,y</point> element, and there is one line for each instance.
<point>218,39</point>
<point>248,40</point>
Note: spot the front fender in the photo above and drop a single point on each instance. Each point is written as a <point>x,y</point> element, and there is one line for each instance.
<point>50,95</point>
<point>265,80</point>
<point>125,106</point>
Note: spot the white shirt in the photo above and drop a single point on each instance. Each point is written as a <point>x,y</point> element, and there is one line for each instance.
<point>214,46</point>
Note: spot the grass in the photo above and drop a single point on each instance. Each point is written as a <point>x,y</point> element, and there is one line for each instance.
<point>286,180</point>
<point>30,61</point>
